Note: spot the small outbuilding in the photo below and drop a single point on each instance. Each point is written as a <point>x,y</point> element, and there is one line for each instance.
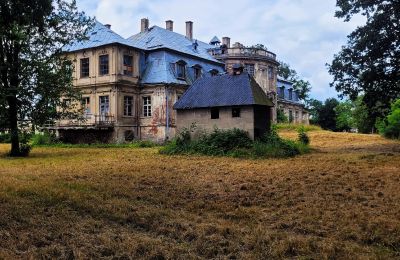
<point>225,102</point>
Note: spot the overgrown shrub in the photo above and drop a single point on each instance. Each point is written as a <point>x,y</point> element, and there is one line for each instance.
<point>235,143</point>
<point>44,138</point>
<point>5,138</point>
<point>295,127</point>
<point>302,136</point>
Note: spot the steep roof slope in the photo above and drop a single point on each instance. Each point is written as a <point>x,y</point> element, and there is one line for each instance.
<point>99,35</point>
<point>225,90</point>
<point>159,38</point>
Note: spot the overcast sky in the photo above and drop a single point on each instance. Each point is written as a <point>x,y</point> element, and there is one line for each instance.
<point>303,33</point>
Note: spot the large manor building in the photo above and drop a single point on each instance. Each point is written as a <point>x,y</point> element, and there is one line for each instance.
<point>129,86</point>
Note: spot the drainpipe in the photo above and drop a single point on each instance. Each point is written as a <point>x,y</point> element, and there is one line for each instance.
<point>167,113</point>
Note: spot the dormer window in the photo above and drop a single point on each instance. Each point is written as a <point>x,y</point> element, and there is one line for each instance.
<point>197,71</point>
<point>290,94</point>
<point>282,92</point>
<point>181,69</point>
<point>214,72</point>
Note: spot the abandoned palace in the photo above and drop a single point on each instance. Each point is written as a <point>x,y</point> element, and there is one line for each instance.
<point>130,86</point>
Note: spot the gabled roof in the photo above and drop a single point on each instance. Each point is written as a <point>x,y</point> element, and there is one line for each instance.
<point>215,40</point>
<point>158,38</point>
<point>225,90</point>
<point>99,35</point>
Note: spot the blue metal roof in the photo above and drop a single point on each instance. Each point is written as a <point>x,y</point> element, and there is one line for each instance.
<point>99,35</point>
<point>225,90</point>
<point>158,38</point>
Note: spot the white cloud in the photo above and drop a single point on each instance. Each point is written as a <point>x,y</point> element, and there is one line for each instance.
<point>303,33</point>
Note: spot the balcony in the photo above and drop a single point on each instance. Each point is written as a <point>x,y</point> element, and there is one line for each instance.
<point>245,52</point>
<point>87,121</point>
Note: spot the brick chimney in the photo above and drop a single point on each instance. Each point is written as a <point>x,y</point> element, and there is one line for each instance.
<point>226,41</point>
<point>189,30</point>
<point>169,25</point>
<point>144,24</point>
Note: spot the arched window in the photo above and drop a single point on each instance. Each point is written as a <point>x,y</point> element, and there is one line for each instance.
<point>181,69</point>
<point>213,72</point>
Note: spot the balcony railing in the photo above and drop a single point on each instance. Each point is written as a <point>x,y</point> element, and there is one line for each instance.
<point>247,52</point>
<point>87,121</point>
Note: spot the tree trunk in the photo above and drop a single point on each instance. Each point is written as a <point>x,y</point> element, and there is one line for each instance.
<point>13,118</point>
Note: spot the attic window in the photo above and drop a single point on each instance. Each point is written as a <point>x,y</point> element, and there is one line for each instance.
<point>214,72</point>
<point>214,113</point>
<point>181,69</point>
<point>197,71</point>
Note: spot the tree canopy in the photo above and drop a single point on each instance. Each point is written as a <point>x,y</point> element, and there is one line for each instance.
<point>34,73</point>
<point>370,62</point>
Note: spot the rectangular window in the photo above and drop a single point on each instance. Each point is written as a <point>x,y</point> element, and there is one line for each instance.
<point>128,65</point>
<point>84,67</point>
<point>197,73</point>
<point>270,72</point>
<point>103,64</point>
<point>282,92</point>
<point>250,69</point>
<point>290,94</point>
<point>290,116</point>
<point>86,105</point>
<point>128,106</point>
<point>214,113</point>
<point>147,106</point>
<point>235,112</point>
<point>180,70</point>
<point>297,115</point>
<point>104,107</point>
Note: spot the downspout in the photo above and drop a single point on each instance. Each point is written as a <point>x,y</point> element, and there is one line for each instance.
<point>167,114</point>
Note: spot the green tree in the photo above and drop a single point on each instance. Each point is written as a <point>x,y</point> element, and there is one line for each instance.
<point>314,108</point>
<point>362,121</point>
<point>344,116</point>
<point>301,85</point>
<point>327,114</point>
<point>33,71</point>
<point>370,62</point>
<point>390,126</point>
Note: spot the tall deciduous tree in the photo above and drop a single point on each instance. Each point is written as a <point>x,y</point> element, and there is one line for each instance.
<point>33,71</point>
<point>370,62</point>
<point>303,86</point>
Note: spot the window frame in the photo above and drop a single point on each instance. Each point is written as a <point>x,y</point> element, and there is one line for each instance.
<point>126,71</point>
<point>146,106</point>
<point>270,72</point>
<point>85,102</point>
<point>128,106</point>
<point>214,113</point>
<point>104,67</point>
<point>87,73</point>
<point>236,112</point>
<point>197,72</point>
<point>180,68</point>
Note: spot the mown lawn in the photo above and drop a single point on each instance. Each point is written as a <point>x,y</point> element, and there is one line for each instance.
<point>340,201</point>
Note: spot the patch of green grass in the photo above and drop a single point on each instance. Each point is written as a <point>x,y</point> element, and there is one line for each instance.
<point>296,127</point>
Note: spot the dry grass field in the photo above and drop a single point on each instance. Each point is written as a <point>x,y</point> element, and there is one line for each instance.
<point>341,201</point>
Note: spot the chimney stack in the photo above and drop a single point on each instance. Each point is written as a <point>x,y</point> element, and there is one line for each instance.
<point>144,25</point>
<point>189,30</point>
<point>108,26</point>
<point>169,25</point>
<point>226,41</point>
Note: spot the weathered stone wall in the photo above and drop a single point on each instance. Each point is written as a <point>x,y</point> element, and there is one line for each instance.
<point>300,115</point>
<point>202,119</point>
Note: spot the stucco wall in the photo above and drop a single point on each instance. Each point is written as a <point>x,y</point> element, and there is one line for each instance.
<point>202,119</point>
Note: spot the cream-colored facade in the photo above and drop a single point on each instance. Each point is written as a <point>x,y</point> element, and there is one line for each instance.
<point>114,106</point>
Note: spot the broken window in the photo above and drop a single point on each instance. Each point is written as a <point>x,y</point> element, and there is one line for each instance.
<point>84,67</point>
<point>128,106</point>
<point>128,65</point>
<point>197,72</point>
<point>86,105</point>
<point>250,69</point>
<point>214,113</point>
<point>147,106</point>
